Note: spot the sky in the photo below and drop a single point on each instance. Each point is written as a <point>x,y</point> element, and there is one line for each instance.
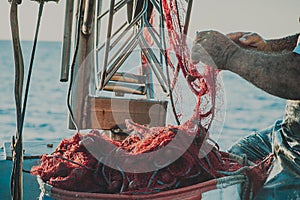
<point>270,18</point>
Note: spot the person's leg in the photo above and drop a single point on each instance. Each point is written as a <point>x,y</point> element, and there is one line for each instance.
<point>283,181</point>
<point>256,146</point>
<point>283,140</point>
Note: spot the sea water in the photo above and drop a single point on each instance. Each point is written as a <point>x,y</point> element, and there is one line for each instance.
<point>247,108</point>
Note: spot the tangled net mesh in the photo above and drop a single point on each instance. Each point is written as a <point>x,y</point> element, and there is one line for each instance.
<point>74,167</point>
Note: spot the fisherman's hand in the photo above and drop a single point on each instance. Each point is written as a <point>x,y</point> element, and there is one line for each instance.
<point>214,49</point>
<point>248,40</point>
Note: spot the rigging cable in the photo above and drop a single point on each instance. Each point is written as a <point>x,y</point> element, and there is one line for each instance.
<point>16,176</point>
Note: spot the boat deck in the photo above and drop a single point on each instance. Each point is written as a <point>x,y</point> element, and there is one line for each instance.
<point>32,152</point>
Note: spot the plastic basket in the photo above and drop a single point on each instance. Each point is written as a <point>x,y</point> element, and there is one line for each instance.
<point>229,187</point>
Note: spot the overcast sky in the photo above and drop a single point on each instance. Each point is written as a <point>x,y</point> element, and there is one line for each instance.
<point>271,18</point>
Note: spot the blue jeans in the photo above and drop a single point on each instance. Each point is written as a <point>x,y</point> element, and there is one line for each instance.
<point>281,139</point>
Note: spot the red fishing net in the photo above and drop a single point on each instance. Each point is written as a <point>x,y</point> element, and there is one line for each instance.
<point>73,167</point>
<point>94,163</point>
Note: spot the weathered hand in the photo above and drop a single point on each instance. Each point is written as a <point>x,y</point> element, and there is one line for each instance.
<point>248,40</point>
<point>213,48</point>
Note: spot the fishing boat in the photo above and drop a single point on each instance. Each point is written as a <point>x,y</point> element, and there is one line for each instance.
<point>100,37</point>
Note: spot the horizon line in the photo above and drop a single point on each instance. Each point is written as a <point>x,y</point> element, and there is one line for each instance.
<point>27,40</point>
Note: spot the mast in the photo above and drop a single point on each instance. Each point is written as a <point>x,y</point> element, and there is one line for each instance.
<point>17,142</point>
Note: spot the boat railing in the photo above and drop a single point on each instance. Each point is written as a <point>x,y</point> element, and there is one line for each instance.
<point>119,45</point>
<point>107,43</point>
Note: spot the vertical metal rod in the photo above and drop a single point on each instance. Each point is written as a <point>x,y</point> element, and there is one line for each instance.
<point>77,18</point>
<point>130,7</point>
<point>98,21</point>
<point>146,70</point>
<point>97,29</point>
<point>162,33</point>
<point>188,17</point>
<point>161,39</point>
<point>167,66</point>
<point>87,17</point>
<point>66,49</point>
<point>74,122</point>
<point>16,176</point>
<point>107,45</point>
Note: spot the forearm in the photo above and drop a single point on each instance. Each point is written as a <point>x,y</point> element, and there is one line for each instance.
<point>283,44</point>
<point>277,74</point>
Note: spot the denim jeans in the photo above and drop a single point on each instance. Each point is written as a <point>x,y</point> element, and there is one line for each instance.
<point>283,139</point>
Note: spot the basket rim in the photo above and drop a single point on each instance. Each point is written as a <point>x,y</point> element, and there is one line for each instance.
<point>200,188</point>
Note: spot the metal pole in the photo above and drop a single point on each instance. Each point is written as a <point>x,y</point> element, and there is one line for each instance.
<point>188,17</point>
<point>87,18</point>
<point>16,176</point>
<point>66,50</point>
<point>107,45</point>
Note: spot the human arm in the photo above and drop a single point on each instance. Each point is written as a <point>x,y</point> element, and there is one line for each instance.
<point>272,69</point>
<point>253,41</point>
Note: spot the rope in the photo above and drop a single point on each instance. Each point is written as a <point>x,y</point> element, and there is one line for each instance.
<point>16,177</point>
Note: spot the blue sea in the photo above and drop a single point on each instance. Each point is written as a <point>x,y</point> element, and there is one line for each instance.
<point>247,107</point>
